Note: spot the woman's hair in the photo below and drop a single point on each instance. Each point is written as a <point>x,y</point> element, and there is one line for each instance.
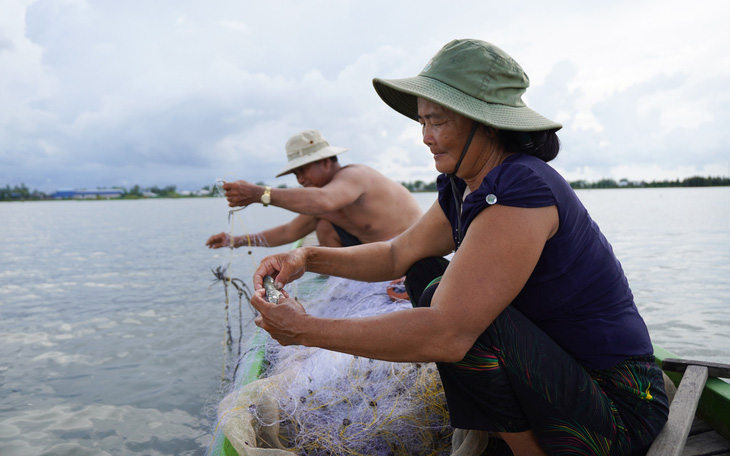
<point>544,144</point>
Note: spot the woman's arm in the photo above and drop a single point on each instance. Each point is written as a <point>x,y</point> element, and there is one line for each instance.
<point>496,258</point>
<point>429,236</point>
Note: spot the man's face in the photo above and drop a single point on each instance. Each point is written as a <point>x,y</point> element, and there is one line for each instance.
<point>313,174</point>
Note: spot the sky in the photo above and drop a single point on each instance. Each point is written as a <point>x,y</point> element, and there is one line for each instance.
<point>97,94</point>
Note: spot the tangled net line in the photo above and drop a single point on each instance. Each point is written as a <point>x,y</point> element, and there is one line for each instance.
<point>221,274</point>
<point>337,404</point>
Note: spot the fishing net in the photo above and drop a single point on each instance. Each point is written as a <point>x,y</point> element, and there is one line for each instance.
<point>318,402</point>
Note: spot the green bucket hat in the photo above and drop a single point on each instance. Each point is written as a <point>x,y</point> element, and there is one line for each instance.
<point>473,78</point>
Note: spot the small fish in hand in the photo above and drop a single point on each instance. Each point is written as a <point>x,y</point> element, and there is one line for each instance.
<point>272,294</point>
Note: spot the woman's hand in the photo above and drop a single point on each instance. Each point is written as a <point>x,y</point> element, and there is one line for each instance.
<point>283,268</point>
<point>281,320</point>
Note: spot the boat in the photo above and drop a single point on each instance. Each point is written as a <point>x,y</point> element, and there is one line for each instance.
<point>699,415</point>
<point>699,422</point>
<point>379,404</point>
<point>378,407</point>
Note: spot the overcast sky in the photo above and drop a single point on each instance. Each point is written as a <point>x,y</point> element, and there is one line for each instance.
<point>181,92</point>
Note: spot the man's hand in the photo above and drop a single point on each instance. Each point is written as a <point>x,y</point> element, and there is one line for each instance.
<point>242,193</point>
<point>219,240</point>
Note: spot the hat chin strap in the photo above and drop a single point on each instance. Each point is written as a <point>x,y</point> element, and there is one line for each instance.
<point>458,198</point>
<point>452,174</point>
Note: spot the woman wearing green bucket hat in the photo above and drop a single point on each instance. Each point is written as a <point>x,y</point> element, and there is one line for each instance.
<point>532,324</point>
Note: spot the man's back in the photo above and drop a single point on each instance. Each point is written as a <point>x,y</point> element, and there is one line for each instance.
<point>383,210</point>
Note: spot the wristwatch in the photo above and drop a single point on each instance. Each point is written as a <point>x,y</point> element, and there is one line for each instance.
<point>266,197</point>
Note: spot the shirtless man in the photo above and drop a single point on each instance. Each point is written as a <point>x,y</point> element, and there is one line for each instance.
<point>346,205</point>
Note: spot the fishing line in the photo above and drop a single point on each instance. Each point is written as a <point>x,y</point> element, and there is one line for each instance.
<point>222,274</point>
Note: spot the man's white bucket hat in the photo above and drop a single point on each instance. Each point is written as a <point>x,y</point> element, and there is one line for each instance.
<point>307,147</point>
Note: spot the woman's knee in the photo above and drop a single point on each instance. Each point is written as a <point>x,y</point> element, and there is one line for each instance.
<point>420,280</point>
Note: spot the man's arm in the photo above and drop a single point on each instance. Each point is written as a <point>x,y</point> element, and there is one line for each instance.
<point>346,186</point>
<point>287,233</point>
<point>344,189</point>
<point>372,262</point>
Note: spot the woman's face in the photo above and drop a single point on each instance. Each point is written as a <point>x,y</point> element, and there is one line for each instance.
<point>444,132</point>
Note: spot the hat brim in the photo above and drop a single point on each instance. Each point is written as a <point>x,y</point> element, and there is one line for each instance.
<point>402,94</point>
<point>325,152</point>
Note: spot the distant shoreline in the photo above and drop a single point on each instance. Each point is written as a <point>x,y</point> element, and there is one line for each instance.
<point>22,193</point>
<point>695,181</point>
<point>127,198</point>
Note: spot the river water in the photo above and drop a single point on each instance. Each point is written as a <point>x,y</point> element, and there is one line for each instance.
<point>112,328</point>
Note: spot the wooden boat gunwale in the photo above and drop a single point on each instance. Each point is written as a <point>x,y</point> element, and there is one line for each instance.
<point>714,404</point>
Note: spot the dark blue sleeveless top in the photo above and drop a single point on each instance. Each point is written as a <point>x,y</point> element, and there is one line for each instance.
<point>578,293</point>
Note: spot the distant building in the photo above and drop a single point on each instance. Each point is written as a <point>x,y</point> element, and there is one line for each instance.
<point>87,194</point>
<point>628,183</point>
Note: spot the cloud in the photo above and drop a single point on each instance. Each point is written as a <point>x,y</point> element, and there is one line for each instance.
<point>181,93</point>
<point>5,44</point>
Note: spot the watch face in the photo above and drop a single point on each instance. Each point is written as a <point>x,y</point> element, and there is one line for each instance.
<point>266,199</point>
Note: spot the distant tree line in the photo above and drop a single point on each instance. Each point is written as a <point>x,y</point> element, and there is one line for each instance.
<point>138,192</point>
<point>420,186</point>
<point>696,181</point>
<point>21,192</point>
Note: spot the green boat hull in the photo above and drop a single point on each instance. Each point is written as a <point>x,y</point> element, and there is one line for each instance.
<point>714,405</point>
<point>221,446</point>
